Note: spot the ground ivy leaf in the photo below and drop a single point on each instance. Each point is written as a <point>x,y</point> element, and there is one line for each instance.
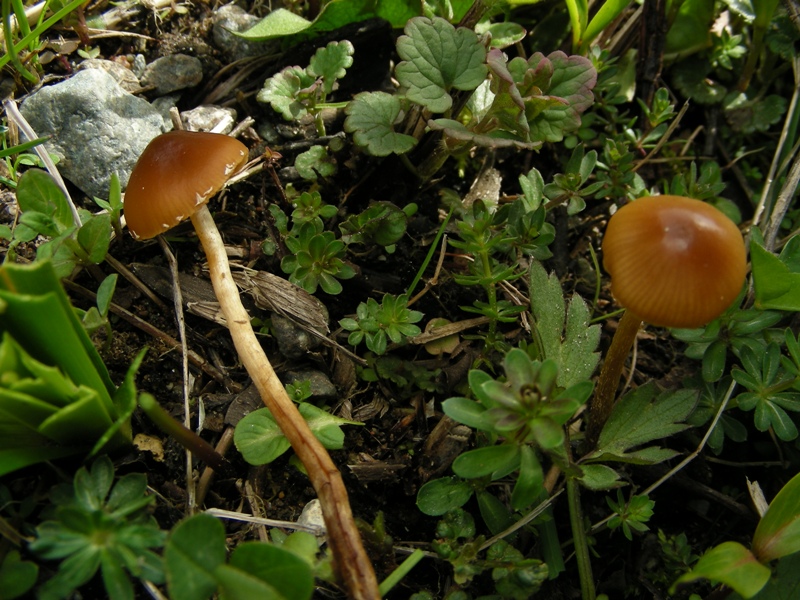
<point>437,57</point>
<point>370,118</point>
<point>315,161</point>
<point>281,91</point>
<point>641,417</point>
<point>331,62</point>
<point>572,80</point>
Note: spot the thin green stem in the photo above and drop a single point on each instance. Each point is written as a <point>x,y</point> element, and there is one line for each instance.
<point>491,289</point>
<point>12,52</point>
<point>582,557</point>
<point>431,252</point>
<point>401,571</point>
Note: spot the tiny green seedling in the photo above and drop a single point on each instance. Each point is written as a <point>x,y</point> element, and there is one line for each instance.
<point>378,324</point>
<point>316,259</point>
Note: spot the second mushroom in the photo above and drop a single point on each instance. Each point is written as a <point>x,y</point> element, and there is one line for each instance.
<point>674,262</point>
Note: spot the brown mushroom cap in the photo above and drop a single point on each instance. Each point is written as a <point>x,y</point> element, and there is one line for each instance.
<point>674,261</point>
<point>177,173</point>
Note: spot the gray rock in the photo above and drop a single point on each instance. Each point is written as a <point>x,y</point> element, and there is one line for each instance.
<point>173,73</point>
<point>206,118</point>
<point>97,128</point>
<point>124,77</point>
<point>230,18</point>
<point>293,342</point>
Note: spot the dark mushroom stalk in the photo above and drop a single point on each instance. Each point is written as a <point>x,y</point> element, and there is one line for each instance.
<point>174,178</point>
<point>674,262</point>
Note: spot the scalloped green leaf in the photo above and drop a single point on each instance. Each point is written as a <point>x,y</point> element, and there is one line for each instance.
<point>370,118</point>
<point>281,91</point>
<point>331,62</point>
<point>437,58</point>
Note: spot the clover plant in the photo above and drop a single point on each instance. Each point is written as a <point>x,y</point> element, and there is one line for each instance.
<point>100,525</point>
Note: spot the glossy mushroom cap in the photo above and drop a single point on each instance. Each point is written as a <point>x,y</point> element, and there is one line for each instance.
<point>176,174</point>
<point>674,261</point>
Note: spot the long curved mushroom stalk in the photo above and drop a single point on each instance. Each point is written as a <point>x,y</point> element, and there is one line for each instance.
<point>151,209</point>
<point>674,262</point>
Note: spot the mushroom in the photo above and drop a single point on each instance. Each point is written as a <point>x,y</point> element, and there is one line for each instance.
<point>173,179</point>
<point>674,262</point>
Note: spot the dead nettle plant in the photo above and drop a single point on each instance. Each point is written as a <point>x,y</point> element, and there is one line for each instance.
<point>465,96</point>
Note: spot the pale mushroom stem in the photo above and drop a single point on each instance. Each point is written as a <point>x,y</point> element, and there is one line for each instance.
<point>608,382</point>
<point>343,536</point>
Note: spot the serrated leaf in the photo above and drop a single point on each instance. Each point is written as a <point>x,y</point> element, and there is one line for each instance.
<point>331,62</point>
<point>575,353</point>
<point>370,118</point>
<point>313,162</point>
<point>437,58</point>
<point>640,417</point>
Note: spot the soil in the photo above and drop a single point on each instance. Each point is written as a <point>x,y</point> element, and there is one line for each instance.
<point>385,462</point>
